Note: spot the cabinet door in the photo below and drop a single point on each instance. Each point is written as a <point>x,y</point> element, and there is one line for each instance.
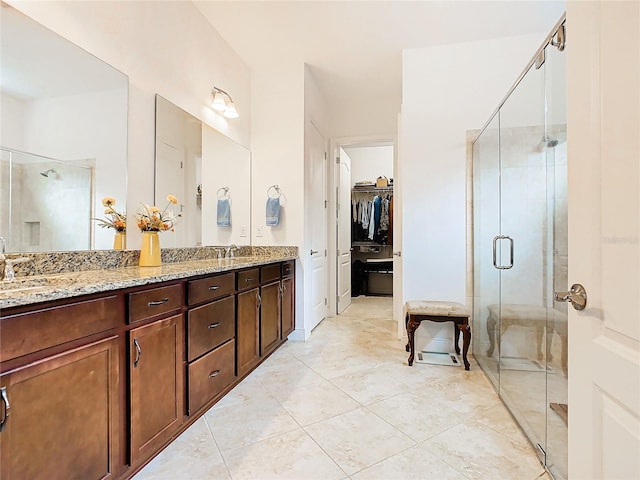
<point>288,307</point>
<point>269,317</point>
<point>60,416</point>
<point>156,389</point>
<point>247,338</point>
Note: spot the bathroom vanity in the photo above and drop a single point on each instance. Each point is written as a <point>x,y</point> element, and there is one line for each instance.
<point>100,370</point>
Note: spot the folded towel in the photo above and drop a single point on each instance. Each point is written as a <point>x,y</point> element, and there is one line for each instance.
<point>273,211</point>
<point>224,212</point>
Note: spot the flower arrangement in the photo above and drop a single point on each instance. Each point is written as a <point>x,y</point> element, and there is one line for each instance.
<point>114,219</point>
<point>151,219</point>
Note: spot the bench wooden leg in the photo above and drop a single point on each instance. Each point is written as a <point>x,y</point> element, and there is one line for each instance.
<point>466,341</point>
<point>412,325</point>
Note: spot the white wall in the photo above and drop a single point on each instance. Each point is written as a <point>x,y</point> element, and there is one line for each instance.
<point>84,127</point>
<point>164,47</point>
<point>369,163</point>
<point>447,90</point>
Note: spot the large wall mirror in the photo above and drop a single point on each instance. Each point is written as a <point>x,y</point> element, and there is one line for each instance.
<point>209,173</point>
<point>63,138</point>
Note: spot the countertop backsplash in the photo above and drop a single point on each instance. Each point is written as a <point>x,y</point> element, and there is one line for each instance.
<point>52,263</point>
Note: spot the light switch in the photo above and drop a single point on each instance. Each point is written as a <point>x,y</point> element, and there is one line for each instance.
<point>259,231</point>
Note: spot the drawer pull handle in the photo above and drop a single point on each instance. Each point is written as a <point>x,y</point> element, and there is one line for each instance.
<point>155,303</point>
<point>215,373</point>
<point>214,325</point>
<point>248,279</point>
<point>138,352</point>
<point>214,287</point>
<point>259,298</point>
<point>7,407</point>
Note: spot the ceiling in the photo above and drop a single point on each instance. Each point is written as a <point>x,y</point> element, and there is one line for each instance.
<point>354,48</point>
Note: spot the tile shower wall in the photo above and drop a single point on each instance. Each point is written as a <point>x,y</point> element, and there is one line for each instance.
<point>50,213</point>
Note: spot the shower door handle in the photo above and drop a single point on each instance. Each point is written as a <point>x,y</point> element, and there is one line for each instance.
<point>495,254</point>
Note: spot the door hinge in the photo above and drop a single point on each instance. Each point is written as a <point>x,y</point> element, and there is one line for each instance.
<point>338,160</point>
<point>325,155</point>
<point>338,252</point>
<point>325,204</point>
<point>325,301</point>
<point>325,252</point>
<point>338,299</point>
<point>181,165</point>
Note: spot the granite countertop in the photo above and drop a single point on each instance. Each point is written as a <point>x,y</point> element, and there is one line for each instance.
<point>42,288</point>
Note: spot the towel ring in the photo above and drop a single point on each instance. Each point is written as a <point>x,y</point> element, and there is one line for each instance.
<point>224,190</point>
<point>276,188</point>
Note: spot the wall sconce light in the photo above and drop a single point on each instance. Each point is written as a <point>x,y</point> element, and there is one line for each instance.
<point>222,102</point>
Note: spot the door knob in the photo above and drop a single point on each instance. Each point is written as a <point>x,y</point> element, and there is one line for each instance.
<point>577,296</point>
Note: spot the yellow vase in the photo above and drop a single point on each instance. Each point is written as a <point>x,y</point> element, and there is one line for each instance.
<point>150,250</point>
<point>120,241</point>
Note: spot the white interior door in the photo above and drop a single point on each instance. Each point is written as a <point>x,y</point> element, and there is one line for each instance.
<point>604,230</point>
<point>318,225</point>
<point>344,231</point>
<point>170,161</point>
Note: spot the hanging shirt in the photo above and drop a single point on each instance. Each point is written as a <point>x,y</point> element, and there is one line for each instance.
<point>372,219</point>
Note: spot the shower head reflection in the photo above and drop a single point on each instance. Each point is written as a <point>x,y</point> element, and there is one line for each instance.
<point>49,173</point>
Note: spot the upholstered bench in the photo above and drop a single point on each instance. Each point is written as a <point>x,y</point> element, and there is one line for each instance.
<point>534,316</point>
<point>457,313</point>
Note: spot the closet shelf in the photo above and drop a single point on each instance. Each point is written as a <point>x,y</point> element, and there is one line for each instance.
<point>372,190</point>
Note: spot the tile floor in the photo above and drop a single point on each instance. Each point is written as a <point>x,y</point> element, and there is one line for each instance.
<point>345,405</point>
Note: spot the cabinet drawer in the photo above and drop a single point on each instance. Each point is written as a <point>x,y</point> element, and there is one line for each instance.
<point>210,325</point>
<point>210,375</point>
<point>210,288</point>
<point>269,273</point>
<point>288,268</point>
<point>248,278</point>
<point>35,331</point>
<point>153,302</point>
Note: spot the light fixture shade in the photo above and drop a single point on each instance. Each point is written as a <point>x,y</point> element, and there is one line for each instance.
<point>231,111</point>
<point>219,103</point>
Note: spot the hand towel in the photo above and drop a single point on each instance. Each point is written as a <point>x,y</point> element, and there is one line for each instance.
<point>224,212</point>
<point>273,211</point>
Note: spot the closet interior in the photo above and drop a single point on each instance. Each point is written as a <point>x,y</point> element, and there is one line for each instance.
<point>371,221</point>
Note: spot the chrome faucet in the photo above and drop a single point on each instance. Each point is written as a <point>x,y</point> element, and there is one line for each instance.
<point>9,274</point>
<point>229,251</point>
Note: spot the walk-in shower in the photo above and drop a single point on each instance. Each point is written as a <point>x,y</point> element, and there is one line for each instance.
<point>521,255</point>
<point>38,216</point>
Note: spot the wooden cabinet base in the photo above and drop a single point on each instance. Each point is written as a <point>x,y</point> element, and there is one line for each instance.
<point>59,407</point>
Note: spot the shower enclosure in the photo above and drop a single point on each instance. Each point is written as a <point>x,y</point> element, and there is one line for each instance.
<point>45,204</point>
<point>520,252</point>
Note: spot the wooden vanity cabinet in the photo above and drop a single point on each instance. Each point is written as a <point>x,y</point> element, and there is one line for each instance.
<point>270,326</point>
<point>155,384</point>
<point>93,387</point>
<point>211,347</point>
<point>288,298</point>
<point>248,331</point>
<point>59,402</point>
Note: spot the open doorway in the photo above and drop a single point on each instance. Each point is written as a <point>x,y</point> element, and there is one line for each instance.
<point>364,189</point>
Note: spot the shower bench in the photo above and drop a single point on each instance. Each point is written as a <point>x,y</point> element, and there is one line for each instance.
<point>434,311</point>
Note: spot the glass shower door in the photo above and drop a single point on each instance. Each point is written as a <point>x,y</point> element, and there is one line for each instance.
<point>521,252</point>
<point>557,258</point>
<point>486,220</point>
